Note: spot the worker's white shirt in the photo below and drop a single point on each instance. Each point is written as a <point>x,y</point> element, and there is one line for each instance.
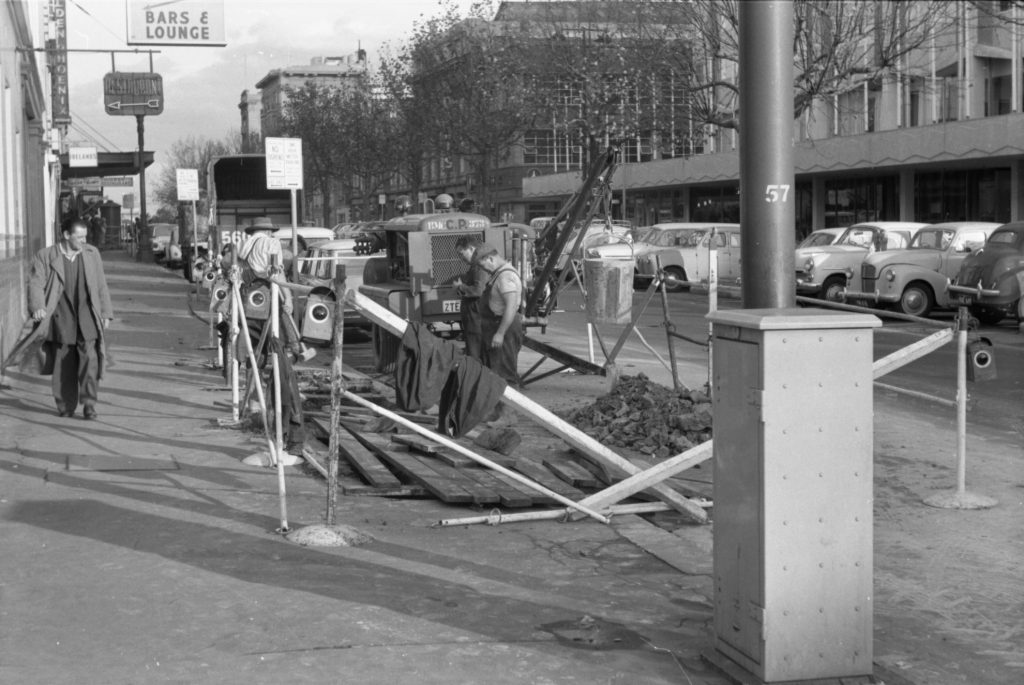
<point>257,252</point>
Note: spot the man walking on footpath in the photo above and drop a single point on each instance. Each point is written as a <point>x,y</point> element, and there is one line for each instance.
<point>68,297</point>
<point>500,325</point>
<point>470,290</point>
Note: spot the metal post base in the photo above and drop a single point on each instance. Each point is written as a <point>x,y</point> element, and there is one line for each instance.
<point>266,460</point>
<point>955,499</point>
<point>328,536</point>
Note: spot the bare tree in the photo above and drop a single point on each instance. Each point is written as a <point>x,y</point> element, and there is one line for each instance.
<point>474,97</point>
<point>837,45</point>
<point>193,152</point>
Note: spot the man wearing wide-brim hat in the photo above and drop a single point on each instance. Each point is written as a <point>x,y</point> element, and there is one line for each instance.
<point>260,253</point>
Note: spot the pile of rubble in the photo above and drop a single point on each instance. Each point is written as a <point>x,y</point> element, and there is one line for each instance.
<point>647,417</point>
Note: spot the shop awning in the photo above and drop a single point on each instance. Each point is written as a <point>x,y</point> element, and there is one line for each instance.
<point>108,164</point>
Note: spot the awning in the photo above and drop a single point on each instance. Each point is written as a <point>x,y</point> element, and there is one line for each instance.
<point>108,164</point>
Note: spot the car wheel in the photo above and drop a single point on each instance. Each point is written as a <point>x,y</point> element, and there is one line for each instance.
<point>832,289</point>
<point>987,315</point>
<point>678,274</point>
<point>916,300</point>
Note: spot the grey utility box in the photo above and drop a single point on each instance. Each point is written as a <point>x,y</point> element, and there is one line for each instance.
<point>793,535</point>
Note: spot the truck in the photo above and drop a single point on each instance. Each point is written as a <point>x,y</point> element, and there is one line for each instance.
<point>415,277</point>
<point>237,194</point>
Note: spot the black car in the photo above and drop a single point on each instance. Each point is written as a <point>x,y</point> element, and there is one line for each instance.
<point>993,276</point>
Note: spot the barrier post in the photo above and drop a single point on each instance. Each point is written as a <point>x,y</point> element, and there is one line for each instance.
<point>275,333</point>
<point>961,498</point>
<point>337,392</point>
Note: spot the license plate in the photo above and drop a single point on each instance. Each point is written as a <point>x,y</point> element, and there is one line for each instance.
<point>451,306</point>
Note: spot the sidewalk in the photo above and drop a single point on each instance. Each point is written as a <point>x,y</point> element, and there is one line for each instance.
<point>138,548</point>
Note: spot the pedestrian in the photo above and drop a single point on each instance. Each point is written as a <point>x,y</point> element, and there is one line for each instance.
<point>258,256</point>
<point>501,326</point>
<point>97,230</point>
<point>68,298</point>
<point>469,291</point>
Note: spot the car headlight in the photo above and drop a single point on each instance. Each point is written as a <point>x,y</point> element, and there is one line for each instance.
<point>849,274</point>
<point>890,275</point>
<point>809,265</point>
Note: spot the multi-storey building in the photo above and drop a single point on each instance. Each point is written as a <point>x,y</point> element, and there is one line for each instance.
<point>936,137</point>
<point>333,72</point>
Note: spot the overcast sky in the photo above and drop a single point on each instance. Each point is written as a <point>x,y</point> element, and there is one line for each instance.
<point>202,85</point>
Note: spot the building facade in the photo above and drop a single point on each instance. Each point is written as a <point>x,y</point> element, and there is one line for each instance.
<point>933,140</point>
<point>29,167</point>
<point>332,72</point>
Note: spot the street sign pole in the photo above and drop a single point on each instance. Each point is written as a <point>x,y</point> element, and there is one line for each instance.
<point>145,251</point>
<point>295,241</point>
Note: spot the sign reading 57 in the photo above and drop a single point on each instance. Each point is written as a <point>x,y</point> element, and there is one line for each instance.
<point>776,193</point>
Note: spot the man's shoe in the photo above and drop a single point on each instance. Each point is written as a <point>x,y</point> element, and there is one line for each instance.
<point>89,413</point>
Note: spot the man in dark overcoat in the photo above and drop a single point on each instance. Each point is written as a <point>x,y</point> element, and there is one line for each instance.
<point>69,301</point>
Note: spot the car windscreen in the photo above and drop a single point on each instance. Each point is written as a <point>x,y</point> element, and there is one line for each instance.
<point>932,239</point>
<point>857,236</point>
<point>667,238</point>
<point>1006,237</point>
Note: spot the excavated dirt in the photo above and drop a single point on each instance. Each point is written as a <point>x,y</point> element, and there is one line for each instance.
<point>647,417</point>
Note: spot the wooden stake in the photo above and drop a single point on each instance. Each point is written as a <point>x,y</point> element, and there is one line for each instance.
<point>337,390</point>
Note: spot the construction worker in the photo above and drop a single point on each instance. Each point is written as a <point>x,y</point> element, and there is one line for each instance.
<point>501,327</point>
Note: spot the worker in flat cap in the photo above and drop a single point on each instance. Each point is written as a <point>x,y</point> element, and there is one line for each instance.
<point>501,327</point>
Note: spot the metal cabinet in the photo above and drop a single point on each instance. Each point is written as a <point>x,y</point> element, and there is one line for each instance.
<point>793,536</point>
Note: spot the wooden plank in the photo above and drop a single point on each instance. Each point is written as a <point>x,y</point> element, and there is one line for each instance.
<point>453,458</point>
<point>535,497</point>
<point>418,444</point>
<point>418,472</point>
<point>509,496</point>
<point>366,463</point>
<point>572,473</point>
<point>656,473</point>
<point>446,482</point>
<point>677,552</point>
<point>532,469</point>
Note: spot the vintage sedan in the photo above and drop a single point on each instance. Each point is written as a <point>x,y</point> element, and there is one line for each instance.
<point>915,279</point>
<point>690,261</point>
<point>825,272</point>
<point>993,277</point>
<point>821,237</point>
<point>649,240</point>
<point>317,267</point>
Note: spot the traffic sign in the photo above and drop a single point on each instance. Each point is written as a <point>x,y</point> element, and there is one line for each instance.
<point>188,184</point>
<point>284,163</point>
<point>133,93</point>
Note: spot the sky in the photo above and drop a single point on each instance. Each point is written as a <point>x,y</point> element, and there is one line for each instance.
<point>202,85</point>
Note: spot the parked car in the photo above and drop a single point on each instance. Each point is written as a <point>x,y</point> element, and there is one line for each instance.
<point>317,271</point>
<point>599,232</point>
<point>821,237</point>
<point>308,236</point>
<point>915,279</point>
<point>689,260</point>
<point>164,235</point>
<point>825,271</point>
<point>998,269</point>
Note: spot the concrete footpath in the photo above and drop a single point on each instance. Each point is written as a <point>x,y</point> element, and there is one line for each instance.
<point>138,548</point>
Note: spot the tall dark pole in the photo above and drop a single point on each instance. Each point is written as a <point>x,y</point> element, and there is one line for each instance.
<point>767,188</point>
<point>145,251</point>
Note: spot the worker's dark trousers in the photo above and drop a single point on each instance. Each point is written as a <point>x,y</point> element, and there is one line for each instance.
<point>503,361</point>
<point>291,401</point>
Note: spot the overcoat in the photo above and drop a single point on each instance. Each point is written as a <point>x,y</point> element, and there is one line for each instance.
<point>32,352</point>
